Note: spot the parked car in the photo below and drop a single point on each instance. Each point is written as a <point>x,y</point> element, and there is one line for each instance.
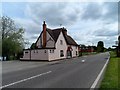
<point>1,58</point>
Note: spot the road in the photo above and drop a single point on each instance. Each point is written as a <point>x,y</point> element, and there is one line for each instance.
<point>69,73</point>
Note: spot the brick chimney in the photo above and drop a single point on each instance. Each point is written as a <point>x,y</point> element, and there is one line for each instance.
<point>44,35</point>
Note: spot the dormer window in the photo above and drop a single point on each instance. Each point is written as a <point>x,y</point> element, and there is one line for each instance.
<point>61,42</point>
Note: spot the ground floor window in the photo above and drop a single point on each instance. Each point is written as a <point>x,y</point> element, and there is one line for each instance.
<point>61,53</point>
<point>51,51</point>
<point>45,51</point>
<point>26,51</point>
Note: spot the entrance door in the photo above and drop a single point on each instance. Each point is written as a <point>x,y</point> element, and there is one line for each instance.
<point>69,54</point>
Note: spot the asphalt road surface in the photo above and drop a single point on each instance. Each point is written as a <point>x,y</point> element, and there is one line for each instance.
<point>68,73</point>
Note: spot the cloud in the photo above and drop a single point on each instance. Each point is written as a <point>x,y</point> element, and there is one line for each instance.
<point>107,11</point>
<point>111,11</point>
<point>30,26</point>
<point>105,32</point>
<point>88,21</point>
<point>53,13</point>
<point>100,24</point>
<point>92,11</point>
<point>94,31</point>
<point>108,41</point>
<point>32,29</point>
<point>0,9</point>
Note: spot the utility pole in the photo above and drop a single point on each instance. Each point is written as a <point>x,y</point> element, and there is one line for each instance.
<point>118,49</point>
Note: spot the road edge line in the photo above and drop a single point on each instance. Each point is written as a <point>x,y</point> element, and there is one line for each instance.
<point>100,74</point>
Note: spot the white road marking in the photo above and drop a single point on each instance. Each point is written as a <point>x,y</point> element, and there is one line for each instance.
<point>23,80</point>
<point>100,74</point>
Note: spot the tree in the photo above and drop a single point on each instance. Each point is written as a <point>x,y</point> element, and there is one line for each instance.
<point>94,48</point>
<point>33,46</point>
<point>100,46</point>
<point>12,38</point>
<point>118,46</point>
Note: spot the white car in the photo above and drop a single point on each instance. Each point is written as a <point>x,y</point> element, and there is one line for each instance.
<point>1,58</point>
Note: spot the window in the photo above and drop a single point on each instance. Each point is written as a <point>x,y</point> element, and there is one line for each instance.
<point>26,51</point>
<point>61,42</point>
<point>45,51</point>
<point>35,51</point>
<point>61,53</point>
<point>50,51</point>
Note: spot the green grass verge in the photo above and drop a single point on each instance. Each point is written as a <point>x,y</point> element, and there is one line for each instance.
<point>110,79</point>
<point>88,53</point>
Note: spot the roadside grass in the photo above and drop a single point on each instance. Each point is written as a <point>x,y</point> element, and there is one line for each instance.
<point>110,79</point>
<point>88,53</point>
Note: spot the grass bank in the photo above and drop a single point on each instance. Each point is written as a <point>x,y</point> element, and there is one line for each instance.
<point>110,80</point>
<point>88,53</point>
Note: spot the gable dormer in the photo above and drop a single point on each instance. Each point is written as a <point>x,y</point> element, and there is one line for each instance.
<point>45,40</point>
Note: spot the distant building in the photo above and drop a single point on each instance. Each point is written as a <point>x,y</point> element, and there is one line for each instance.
<point>52,44</point>
<point>84,48</point>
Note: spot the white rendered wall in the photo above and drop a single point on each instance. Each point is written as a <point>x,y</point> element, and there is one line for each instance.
<point>37,54</point>
<point>75,48</point>
<point>38,43</point>
<point>50,43</point>
<point>56,54</point>
<point>26,56</point>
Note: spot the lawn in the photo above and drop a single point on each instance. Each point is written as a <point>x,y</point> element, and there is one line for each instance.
<point>88,53</point>
<point>110,80</point>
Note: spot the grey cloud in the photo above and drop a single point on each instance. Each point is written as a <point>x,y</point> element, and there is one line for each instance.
<point>107,11</point>
<point>62,13</point>
<point>53,13</point>
<point>112,11</point>
<point>92,11</point>
<point>108,41</point>
<point>34,37</point>
<point>31,27</point>
<point>105,32</point>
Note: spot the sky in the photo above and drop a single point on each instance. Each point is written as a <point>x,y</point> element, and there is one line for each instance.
<point>86,22</point>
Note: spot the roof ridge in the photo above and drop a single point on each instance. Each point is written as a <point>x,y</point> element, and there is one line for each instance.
<point>56,32</point>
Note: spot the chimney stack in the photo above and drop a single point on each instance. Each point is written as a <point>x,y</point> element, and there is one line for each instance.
<point>64,31</point>
<point>44,35</point>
